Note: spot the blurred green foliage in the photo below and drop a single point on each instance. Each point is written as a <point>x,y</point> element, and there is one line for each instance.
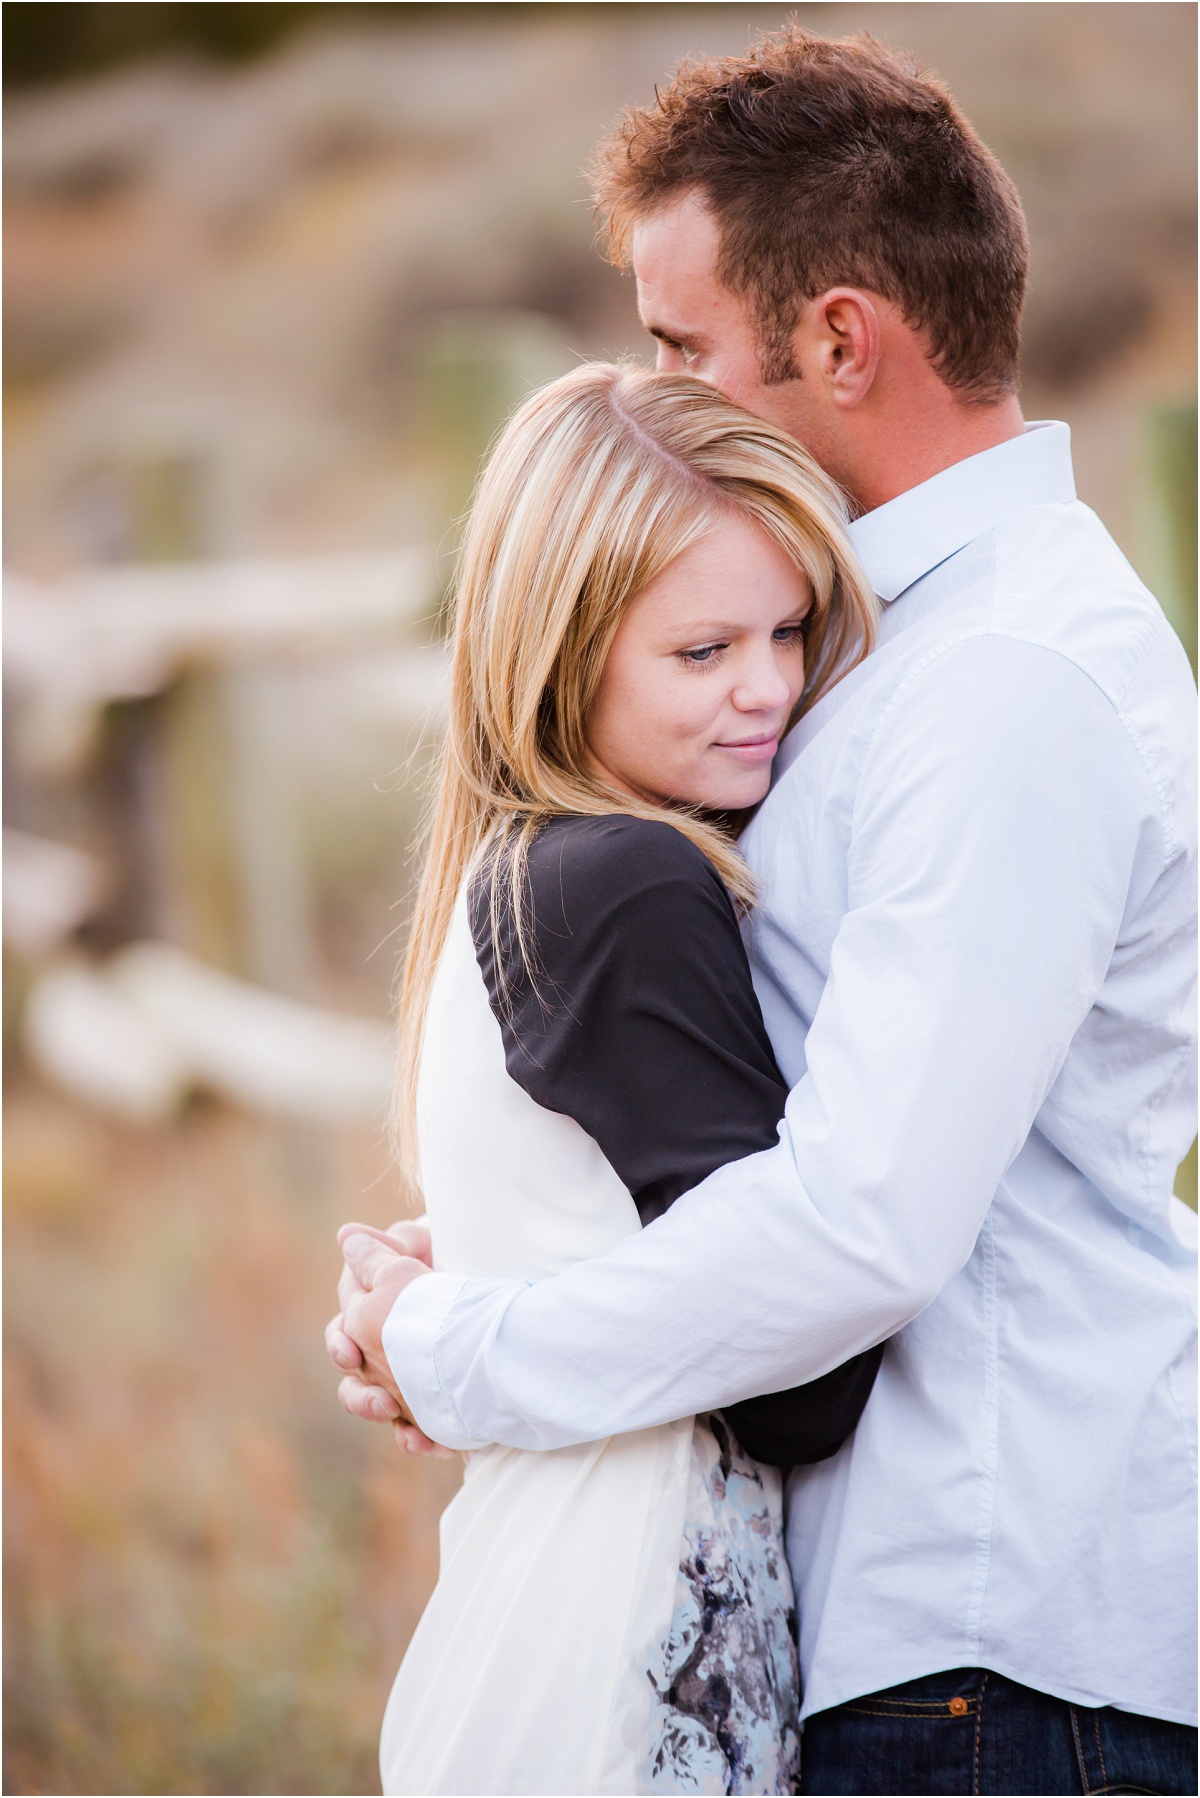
<point>1173,477</point>
<point>1171,471</point>
<point>475,369</point>
<point>45,42</point>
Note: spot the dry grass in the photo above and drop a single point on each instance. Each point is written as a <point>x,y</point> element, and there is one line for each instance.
<point>211,1572</point>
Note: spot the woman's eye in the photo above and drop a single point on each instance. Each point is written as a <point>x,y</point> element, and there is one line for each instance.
<point>703,654</point>
<point>788,633</point>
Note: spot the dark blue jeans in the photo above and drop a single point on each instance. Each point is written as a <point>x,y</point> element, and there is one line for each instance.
<point>973,1731</point>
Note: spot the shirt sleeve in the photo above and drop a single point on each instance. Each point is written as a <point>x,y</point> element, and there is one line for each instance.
<point>1003,822</point>
<point>631,1009</point>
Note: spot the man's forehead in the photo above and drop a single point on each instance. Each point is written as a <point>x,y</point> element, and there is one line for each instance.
<point>675,253</point>
<point>679,239</point>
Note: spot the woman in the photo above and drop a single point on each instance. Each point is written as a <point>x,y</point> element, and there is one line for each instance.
<point>650,582</point>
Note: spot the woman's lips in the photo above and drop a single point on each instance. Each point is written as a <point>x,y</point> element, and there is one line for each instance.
<point>753,750</point>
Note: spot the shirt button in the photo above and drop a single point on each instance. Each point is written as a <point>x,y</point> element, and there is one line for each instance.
<point>958,1707</point>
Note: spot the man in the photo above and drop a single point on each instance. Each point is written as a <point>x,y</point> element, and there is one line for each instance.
<point>974,948</point>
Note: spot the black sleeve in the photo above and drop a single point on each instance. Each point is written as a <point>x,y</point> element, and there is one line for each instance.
<point>635,1015</point>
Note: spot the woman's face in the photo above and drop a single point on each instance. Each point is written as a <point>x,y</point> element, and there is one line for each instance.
<point>703,673</point>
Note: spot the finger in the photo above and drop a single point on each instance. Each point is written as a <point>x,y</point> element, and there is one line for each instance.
<point>371,1403</point>
<point>348,1288</point>
<point>406,1237</point>
<point>411,1236</point>
<point>338,1346</point>
<point>414,1442</point>
<point>342,1350</point>
<point>383,1236</point>
<point>368,1256</point>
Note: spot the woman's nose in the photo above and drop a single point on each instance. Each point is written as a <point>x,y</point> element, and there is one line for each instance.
<point>762,687</point>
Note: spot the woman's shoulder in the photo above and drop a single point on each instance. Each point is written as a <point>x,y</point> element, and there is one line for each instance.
<point>595,888</point>
<point>580,867</point>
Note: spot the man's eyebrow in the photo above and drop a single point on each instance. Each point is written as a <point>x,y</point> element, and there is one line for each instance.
<point>677,340</point>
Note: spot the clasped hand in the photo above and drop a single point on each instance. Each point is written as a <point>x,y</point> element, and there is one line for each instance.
<point>379,1265</point>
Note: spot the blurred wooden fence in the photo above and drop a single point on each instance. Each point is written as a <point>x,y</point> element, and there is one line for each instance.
<point>153,689</point>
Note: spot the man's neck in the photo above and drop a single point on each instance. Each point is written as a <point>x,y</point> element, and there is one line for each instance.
<point>890,456</point>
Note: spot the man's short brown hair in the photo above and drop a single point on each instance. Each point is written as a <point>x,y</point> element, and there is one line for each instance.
<point>831,162</point>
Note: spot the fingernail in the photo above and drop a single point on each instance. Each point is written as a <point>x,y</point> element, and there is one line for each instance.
<point>355,1247</point>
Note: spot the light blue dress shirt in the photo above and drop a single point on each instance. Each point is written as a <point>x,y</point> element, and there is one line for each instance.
<point>975,951</point>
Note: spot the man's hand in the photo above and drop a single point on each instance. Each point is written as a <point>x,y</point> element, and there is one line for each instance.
<point>378,1267</point>
<point>408,1237</point>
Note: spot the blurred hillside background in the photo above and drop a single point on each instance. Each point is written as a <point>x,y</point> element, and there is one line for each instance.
<point>274,275</point>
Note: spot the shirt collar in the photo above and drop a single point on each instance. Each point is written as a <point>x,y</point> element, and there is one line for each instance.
<point>903,540</point>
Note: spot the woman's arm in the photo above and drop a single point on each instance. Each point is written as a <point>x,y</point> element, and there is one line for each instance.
<point>639,1020</point>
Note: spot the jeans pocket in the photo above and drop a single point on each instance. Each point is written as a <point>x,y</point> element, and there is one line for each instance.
<point>1120,1752</point>
<point>950,1696</point>
<point>893,1743</point>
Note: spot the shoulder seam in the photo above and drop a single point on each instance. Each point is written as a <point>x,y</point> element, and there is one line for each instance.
<point>1154,623</point>
<point>944,645</point>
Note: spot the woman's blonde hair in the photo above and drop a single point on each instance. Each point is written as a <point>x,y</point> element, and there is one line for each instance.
<point>596,483</point>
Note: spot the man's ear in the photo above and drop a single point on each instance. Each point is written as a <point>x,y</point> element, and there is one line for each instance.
<point>843,325</point>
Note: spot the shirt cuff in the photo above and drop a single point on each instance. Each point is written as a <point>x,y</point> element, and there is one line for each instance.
<point>410,1337</point>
